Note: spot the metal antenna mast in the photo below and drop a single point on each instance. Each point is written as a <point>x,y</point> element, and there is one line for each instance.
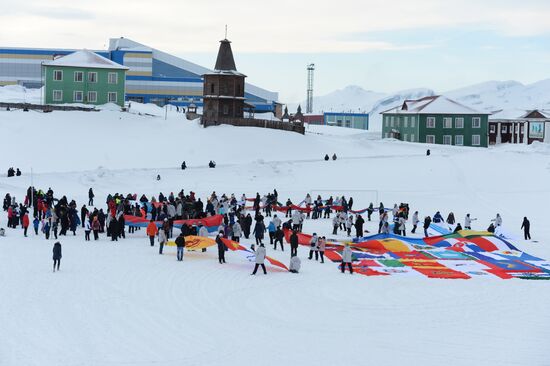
<point>309,102</point>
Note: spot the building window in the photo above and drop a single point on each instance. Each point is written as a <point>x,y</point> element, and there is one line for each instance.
<point>212,88</point>
<point>413,121</point>
<point>92,77</point>
<point>459,122</point>
<point>392,121</point>
<point>92,97</point>
<point>387,122</point>
<point>492,128</point>
<point>58,75</point>
<point>459,140</point>
<point>476,122</point>
<point>348,123</point>
<point>430,122</point>
<point>405,136</point>
<point>447,140</point>
<point>112,97</point>
<point>430,139</point>
<point>406,121</point>
<point>238,89</point>
<point>412,137</point>
<point>386,135</point>
<point>522,129</point>
<point>447,122</point>
<point>78,96</point>
<point>504,129</point>
<point>78,76</point>
<point>57,95</point>
<point>112,78</point>
<point>476,140</point>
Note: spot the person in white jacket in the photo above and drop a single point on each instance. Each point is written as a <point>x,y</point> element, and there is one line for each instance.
<point>313,247</point>
<point>415,221</point>
<point>260,258</point>
<point>349,224</point>
<point>402,229</point>
<point>497,220</point>
<point>295,264</point>
<point>347,259</point>
<point>468,222</point>
<point>277,221</point>
<point>162,240</point>
<point>335,224</point>
<point>87,228</point>
<point>237,232</point>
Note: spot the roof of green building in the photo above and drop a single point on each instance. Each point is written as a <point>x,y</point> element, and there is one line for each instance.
<point>432,105</point>
<point>85,59</point>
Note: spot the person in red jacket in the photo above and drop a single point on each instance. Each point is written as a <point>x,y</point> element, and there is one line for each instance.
<point>25,223</point>
<point>152,232</point>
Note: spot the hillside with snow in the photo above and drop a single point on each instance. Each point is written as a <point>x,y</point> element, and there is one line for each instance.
<point>115,303</point>
<point>487,97</point>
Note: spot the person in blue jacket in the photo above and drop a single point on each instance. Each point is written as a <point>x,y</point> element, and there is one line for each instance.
<point>437,218</point>
<point>271,230</point>
<point>56,255</point>
<point>35,224</point>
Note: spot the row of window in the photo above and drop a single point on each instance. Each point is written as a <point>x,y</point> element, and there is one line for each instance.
<point>78,96</point>
<point>78,76</point>
<point>459,140</point>
<point>448,122</point>
<point>392,122</point>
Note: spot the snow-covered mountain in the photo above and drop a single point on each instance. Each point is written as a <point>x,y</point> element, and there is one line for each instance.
<point>488,96</point>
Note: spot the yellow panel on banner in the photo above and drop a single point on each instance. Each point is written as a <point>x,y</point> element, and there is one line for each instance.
<point>195,242</point>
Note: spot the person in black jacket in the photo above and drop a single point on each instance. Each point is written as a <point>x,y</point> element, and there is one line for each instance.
<point>327,158</point>
<point>427,223</point>
<point>183,166</point>
<point>113,229</point>
<point>279,235</point>
<point>293,243</point>
<point>180,244</point>
<point>83,212</point>
<point>56,255</point>
<point>91,197</point>
<point>221,247</point>
<point>526,226</point>
<point>359,226</point>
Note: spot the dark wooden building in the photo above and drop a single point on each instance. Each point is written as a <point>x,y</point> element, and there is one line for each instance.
<point>223,89</point>
<point>519,128</point>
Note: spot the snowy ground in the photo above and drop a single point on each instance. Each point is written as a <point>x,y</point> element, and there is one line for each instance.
<point>123,303</point>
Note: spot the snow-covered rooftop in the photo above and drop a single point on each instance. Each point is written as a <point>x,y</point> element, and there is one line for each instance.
<point>437,104</point>
<point>85,58</point>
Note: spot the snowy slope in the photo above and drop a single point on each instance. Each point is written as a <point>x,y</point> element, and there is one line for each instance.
<point>486,97</point>
<point>125,304</point>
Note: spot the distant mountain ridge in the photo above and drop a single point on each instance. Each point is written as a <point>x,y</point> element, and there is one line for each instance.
<point>489,96</point>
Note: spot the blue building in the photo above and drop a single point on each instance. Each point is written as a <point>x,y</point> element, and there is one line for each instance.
<point>350,120</point>
<point>153,76</point>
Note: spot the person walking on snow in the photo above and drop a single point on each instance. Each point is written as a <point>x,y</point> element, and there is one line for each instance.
<point>321,245</point>
<point>279,235</point>
<point>259,230</point>
<point>260,258</point>
<point>56,255</point>
<point>347,258</point>
<point>91,197</point>
<point>427,223</point>
<point>293,243</point>
<point>25,224</point>
<point>526,226</point>
<point>152,231</point>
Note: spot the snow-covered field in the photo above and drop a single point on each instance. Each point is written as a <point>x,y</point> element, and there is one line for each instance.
<point>123,304</point>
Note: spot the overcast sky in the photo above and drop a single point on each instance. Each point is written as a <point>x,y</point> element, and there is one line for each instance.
<point>379,45</point>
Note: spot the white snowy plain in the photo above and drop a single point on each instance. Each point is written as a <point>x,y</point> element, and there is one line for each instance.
<point>124,304</point>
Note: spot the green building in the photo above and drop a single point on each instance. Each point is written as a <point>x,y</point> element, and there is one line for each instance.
<point>84,77</point>
<point>436,120</point>
<point>350,120</point>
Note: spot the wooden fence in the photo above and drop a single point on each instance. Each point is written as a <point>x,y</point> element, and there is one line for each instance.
<point>45,108</point>
<point>252,122</point>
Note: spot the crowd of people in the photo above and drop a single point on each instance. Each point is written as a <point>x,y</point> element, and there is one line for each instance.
<point>14,172</point>
<point>262,220</point>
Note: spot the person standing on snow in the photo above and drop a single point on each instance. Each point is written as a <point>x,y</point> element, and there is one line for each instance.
<point>427,223</point>
<point>152,231</point>
<point>526,226</point>
<point>260,258</point>
<point>321,245</point>
<point>359,226</point>
<point>221,247</point>
<point>237,232</point>
<point>87,228</point>
<point>259,230</point>
<point>162,240</point>
<point>497,220</point>
<point>279,235</point>
<point>347,258</point>
<point>335,224</point>
<point>25,224</point>
<point>96,227</point>
<point>91,197</point>
<point>56,255</point>
<point>180,243</point>
<point>370,210</point>
<point>415,221</point>
<point>293,243</point>
<point>468,222</point>
<point>401,223</point>
<point>313,247</point>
